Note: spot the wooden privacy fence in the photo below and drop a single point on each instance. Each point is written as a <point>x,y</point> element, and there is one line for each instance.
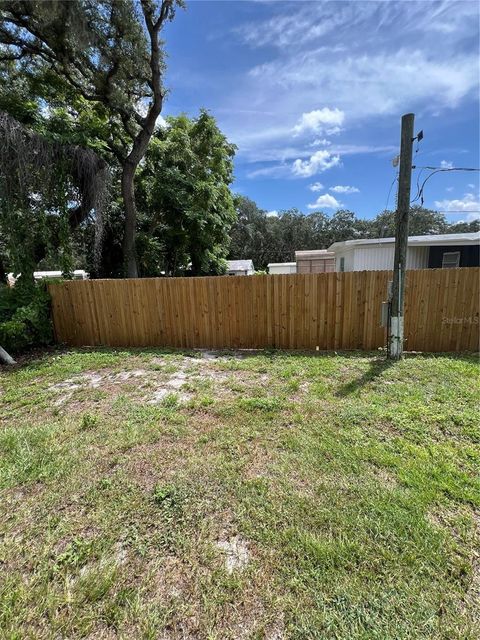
<point>302,311</point>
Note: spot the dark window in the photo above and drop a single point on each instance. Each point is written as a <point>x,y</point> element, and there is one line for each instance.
<point>451,260</point>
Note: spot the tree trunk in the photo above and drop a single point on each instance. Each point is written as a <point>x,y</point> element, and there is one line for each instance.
<point>5,357</point>
<point>3,272</point>
<point>141,140</point>
<point>128,195</point>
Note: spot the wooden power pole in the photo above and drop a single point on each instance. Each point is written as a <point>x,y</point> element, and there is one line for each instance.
<point>396,333</point>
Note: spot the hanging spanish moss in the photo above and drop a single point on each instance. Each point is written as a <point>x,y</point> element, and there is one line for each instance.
<point>73,180</point>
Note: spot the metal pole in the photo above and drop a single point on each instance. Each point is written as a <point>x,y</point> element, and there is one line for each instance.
<point>395,347</point>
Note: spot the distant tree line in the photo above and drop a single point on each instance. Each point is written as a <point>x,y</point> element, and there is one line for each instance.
<point>265,238</point>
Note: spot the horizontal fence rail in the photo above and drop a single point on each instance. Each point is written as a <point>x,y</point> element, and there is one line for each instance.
<point>327,311</point>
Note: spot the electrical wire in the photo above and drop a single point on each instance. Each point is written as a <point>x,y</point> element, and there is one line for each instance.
<point>447,168</point>
<point>390,191</point>
<point>418,184</point>
<point>434,170</point>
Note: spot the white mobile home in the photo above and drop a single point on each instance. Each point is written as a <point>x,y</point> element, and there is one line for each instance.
<point>315,261</point>
<point>240,268</point>
<point>424,252</point>
<point>282,267</point>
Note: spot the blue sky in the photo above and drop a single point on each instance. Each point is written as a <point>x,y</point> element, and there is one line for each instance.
<point>312,94</point>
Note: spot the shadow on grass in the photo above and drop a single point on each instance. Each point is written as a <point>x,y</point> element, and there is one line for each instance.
<point>376,368</point>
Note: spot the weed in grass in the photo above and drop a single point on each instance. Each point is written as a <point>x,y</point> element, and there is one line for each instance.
<point>94,583</point>
<point>170,499</point>
<point>293,385</point>
<point>89,421</point>
<point>267,405</point>
<point>76,554</point>
<point>170,401</point>
<point>205,401</point>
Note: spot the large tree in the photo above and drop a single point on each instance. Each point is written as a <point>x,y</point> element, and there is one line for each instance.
<point>185,205</point>
<point>45,188</point>
<point>107,52</point>
<point>421,222</point>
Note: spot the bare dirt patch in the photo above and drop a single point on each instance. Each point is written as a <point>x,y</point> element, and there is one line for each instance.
<point>184,377</point>
<point>275,630</point>
<point>235,552</point>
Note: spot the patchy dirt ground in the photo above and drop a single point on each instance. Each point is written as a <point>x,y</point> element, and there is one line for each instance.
<point>178,380</point>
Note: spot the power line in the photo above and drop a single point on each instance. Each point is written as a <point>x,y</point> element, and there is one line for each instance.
<point>390,191</point>
<point>434,170</point>
<point>447,168</point>
<point>418,183</point>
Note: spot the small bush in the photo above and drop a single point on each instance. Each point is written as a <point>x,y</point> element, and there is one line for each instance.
<point>25,316</point>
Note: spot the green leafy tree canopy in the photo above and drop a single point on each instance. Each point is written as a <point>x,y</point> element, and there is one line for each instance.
<point>186,205</point>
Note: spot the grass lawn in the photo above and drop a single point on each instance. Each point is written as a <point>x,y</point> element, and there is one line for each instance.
<point>160,495</point>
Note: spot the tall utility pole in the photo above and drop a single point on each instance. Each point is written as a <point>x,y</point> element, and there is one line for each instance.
<point>395,347</point>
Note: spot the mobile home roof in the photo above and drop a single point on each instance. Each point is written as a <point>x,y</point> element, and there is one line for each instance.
<point>418,241</point>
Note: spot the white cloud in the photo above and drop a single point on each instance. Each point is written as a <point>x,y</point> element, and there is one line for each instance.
<point>469,203</point>
<point>252,149</point>
<point>448,188</point>
<point>471,186</point>
<point>323,20</point>
<point>445,164</point>
<point>324,120</point>
<point>316,186</point>
<point>373,83</point>
<point>344,189</point>
<point>320,142</point>
<point>326,201</point>
<point>274,171</point>
<point>272,214</point>
<point>317,163</point>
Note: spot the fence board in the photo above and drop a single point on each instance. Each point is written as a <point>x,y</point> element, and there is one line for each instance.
<point>302,311</point>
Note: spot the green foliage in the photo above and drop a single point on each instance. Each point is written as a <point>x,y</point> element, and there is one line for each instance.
<point>47,188</point>
<point>184,197</point>
<point>24,316</point>
<point>101,57</point>
<point>89,421</point>
<point>170,401</point>
<point>422,222</point>
<point>75,554</point>
<point>170,499</point>
<point>261,404</point>
<point>107,55</point>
